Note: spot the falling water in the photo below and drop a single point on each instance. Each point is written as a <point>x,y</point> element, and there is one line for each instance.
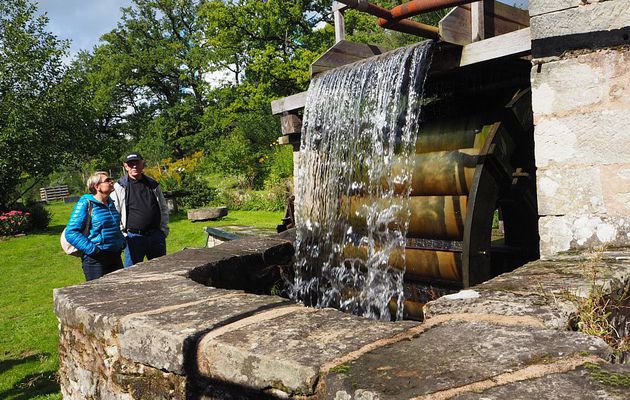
<point>353,182</point>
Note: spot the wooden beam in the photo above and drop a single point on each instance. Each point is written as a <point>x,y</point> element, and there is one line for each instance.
<point>345,52</point>
<point>499,18</point>
<point>477,24</point>
<point>516,43</point>
<point>289,103</point>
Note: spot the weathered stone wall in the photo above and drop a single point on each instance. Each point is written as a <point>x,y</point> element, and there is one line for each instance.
<point>163,330</point>
<point>581,103</point>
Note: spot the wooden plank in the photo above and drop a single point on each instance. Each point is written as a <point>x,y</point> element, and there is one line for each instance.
<point>499,18</point>
<point>289,103</point>
<point>345,52</point>
<point>477,24</point>
<point>509,44</point>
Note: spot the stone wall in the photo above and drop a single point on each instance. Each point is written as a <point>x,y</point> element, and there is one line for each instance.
<point>581,103</point>
<point>169,328</point>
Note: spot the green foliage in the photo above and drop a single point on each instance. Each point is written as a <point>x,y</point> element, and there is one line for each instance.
<point>273,199</point>
<point>39,215</point>
<point>279,165</point>
<point>200,193</point>
<point>30,70</point>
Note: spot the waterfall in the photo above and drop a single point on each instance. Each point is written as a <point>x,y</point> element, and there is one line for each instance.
<point>353,182</point>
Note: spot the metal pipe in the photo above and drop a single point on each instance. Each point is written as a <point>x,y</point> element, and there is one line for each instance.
<point>415,7</point>
<point>405,25</point>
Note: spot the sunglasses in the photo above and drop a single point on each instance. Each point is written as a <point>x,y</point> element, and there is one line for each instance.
<point>107,180</point>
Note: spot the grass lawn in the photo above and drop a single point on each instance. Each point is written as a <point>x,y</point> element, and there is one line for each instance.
<point>31,266</point>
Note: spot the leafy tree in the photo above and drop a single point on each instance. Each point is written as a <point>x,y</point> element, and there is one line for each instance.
<point>152,65</point>
<point>33,131</point>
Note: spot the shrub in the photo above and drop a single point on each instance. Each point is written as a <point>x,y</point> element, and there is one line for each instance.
<point>40,216</point>
<point>14,222</point>
<point>200,193</point>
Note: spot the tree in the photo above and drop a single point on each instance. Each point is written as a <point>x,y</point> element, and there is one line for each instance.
<point>32,139</point>
<point>153,65</point>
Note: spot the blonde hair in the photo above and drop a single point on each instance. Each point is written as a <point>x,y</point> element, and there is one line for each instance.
<point>94,180</point>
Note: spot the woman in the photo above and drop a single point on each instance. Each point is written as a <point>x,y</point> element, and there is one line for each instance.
<point>103,243</point>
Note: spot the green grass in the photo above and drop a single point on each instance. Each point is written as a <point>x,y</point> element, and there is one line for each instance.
<point>31,266</point>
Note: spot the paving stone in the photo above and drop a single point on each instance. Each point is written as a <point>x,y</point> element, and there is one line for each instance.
<point>455,354</point>
<point>286,353</point>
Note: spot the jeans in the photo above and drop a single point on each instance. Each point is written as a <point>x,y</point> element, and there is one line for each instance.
<point>151,245</point>
<point>96,265</point>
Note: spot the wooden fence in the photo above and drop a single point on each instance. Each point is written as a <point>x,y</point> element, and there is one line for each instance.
<point>53,193</point>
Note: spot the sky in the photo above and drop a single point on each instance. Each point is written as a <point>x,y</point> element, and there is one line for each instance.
<point>84,21</point>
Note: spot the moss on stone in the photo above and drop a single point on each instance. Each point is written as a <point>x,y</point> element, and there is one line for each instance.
<point>608,378</point>
<point>341,368</point>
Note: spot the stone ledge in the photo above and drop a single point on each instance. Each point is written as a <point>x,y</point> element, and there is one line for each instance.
<point>164,335</point>
<point>455,354</point>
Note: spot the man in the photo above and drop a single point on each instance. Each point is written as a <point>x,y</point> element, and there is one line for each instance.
<point>143,212</point>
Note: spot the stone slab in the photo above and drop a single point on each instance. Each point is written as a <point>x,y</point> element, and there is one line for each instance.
<point>593,17</point>
<point>205,214</point>
<point>454,354</point>
<point>589,137</point>
<point>287,353</point>
<point>559,233</point>
<point>99,308</point>
<point>576,274</point>
<point>590,382</point>
<point>546,309</point>
<point>541,290</point>
<point>166,338</point>
<point>597,80</point>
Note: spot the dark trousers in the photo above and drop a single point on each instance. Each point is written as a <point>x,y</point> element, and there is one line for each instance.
<point>151,245</point>
<point>97,265</point>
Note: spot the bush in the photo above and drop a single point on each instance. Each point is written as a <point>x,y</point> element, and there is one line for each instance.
<point>40,216</point>
<point>201,194</point>
<point>273,199</point>
<point>14,222</point>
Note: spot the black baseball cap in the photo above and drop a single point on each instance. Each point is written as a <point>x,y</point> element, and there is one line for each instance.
<point>133,157</point>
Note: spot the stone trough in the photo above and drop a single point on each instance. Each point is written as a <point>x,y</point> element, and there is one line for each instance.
<point>190,325</point>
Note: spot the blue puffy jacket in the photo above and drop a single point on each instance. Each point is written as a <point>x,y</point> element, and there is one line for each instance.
<point>104,228</point>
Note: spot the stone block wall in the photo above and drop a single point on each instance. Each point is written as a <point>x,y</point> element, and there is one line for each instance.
<point>163,330</point>
<point>581,102</point>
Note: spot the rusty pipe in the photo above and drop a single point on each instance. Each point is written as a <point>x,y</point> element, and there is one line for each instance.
<point>415,7</point>
<point>404,25</point>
